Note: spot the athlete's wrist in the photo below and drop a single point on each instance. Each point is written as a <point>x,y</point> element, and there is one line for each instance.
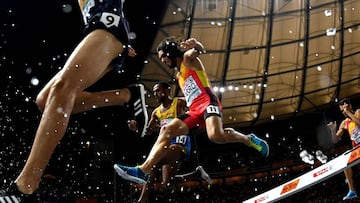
<point>199,48</point>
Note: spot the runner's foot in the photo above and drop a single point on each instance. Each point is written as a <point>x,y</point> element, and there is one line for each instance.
<point>350,195</point>
<point>13,195</point>
<point>204,175</point>
<point>259,144</point>
<point>133,174</point>
<point>138,107</point>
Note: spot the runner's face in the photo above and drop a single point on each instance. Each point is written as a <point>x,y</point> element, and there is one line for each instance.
<point>166,60</point>
<point>160,93</point>
<point>345,106</point>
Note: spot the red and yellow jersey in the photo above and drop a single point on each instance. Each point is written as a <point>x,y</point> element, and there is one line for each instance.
<point>350,125</point>
<point>354,131</point>
<point>82,3</point>
<point>193,83</point>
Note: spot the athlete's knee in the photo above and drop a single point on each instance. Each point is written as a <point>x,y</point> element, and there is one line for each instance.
<point>166,131</point>
<point>64,88</point>
<point>217,136</point>
<point>217,139</point>
<point>41,101</point>
<point>58,87</point>
<point>60,84</point>
<point>229,130</point>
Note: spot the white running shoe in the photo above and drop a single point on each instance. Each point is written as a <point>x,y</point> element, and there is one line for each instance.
<point>138,107</point>
<point>204,175</point>
<point>306,157</point>
<point>321,157</point>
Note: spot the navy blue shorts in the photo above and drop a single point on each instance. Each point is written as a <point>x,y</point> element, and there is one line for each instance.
<point>184,141</point>
<point>108,15</point>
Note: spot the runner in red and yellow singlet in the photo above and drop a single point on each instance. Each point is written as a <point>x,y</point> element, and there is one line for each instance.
<point>205,109</point>
<point>351,125</point>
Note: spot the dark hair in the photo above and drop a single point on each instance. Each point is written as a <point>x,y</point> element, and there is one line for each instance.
<point>344,101</point>
<point>164,84</point>
<point>170,47</point>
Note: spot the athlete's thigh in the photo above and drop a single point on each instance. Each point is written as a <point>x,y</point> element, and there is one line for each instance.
<point>174,128</point>
<point>214,125</point>
<point>45,90</point>
<point>90,59</point>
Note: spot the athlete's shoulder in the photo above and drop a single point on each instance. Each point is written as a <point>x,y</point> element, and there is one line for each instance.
<point>180,99</point>
<point>157,110</point>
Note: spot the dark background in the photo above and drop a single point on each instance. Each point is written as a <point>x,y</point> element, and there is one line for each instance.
<point>36,37</point>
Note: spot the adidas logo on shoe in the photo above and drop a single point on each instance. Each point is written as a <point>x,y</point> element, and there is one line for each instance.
<point>9,199</point>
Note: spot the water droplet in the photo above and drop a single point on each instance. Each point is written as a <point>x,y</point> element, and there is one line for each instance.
<point>59,109</point>
<point>67,8</point>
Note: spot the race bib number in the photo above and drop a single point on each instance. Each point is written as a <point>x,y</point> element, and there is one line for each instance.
<point>356,135</point>
<point>213,110</point>
<point>165,121</point>
<point>110,19</point>
<point>181,139</point>
<point>191,90</point>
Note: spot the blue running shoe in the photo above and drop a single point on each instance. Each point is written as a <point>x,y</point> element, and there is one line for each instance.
<point>350,195</point>
<point>133,174</point>
<point>259,144</point>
